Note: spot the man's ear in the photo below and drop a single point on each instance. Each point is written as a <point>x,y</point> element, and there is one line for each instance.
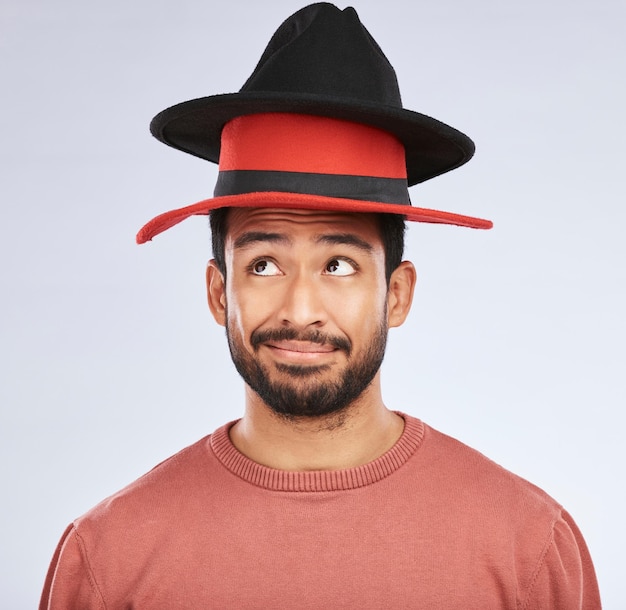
<point>400,293</point>
<point>216,292</point>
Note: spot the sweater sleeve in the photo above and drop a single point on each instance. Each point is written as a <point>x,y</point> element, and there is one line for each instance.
<point>565,578</point>
<point>70,584</point>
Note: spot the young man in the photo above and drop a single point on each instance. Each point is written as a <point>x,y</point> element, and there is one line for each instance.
<point>319,496</point>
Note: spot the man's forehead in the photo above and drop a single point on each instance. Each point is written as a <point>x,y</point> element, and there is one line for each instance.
<point>246,224</point>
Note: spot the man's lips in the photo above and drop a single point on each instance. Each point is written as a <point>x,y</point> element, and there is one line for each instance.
<point>288,341</point>
<point>302,347</point>
<point>300,351</point>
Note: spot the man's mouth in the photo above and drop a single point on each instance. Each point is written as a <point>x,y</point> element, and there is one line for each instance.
<point>300,351</point>
<point>288,340</point>
<point>303,347</point>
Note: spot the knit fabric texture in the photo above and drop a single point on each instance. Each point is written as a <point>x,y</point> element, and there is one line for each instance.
<point>429,524</point>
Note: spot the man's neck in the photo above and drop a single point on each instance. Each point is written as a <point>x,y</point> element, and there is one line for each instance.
<point>353,437</point>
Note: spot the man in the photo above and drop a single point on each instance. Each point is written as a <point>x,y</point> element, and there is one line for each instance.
<point>319,496</point>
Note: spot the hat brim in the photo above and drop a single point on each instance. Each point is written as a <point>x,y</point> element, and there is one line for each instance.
<point>432,147</point>
<point>308,202</point>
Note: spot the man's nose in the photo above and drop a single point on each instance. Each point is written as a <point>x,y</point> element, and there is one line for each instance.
<point>303,303</point>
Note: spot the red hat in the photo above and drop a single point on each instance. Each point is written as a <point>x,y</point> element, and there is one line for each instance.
<point>318,125</point>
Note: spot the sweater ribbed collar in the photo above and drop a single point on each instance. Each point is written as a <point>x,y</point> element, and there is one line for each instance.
<point>318,480</point>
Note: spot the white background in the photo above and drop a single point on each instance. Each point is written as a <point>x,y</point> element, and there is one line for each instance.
<point>110,361</point>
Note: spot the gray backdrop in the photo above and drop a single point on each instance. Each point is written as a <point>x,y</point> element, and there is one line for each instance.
<point>110,361</point>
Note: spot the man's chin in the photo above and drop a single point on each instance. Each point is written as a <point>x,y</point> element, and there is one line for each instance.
<point>304,409</point>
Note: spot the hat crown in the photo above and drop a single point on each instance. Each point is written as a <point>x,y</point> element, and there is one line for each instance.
<point>322,50</point>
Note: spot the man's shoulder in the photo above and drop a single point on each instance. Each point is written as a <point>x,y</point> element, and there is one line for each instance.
<point>157,490</point>
<point>474,477</point>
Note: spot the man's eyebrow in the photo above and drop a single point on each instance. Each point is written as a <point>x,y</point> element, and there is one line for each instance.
<point>254,237</point>
<point>344,239</point>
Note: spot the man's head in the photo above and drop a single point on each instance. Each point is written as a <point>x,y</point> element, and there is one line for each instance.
<point>316,154</point>
<point>306,301</point>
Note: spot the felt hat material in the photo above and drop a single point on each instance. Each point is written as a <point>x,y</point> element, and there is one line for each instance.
<point>320,125</point>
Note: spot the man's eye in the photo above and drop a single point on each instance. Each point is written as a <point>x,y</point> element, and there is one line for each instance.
<point>264,267</point>
<point>340,266</point>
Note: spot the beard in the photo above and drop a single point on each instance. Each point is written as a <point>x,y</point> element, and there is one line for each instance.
<point>302,392</point>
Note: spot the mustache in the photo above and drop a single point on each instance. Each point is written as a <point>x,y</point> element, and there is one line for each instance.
<point>261,336</point>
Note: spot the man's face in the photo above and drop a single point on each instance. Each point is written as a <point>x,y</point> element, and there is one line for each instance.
<point>305,306</point>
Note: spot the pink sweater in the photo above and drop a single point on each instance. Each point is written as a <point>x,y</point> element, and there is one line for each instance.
<point>430,524</point>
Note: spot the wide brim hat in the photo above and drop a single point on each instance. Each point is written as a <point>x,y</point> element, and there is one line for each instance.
<point>322,84</point>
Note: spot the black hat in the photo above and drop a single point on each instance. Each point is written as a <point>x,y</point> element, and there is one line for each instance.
<point>321,62</point>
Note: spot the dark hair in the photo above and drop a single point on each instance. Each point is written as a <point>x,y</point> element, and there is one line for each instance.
<point>217,221</point>
<point>391,226</point>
